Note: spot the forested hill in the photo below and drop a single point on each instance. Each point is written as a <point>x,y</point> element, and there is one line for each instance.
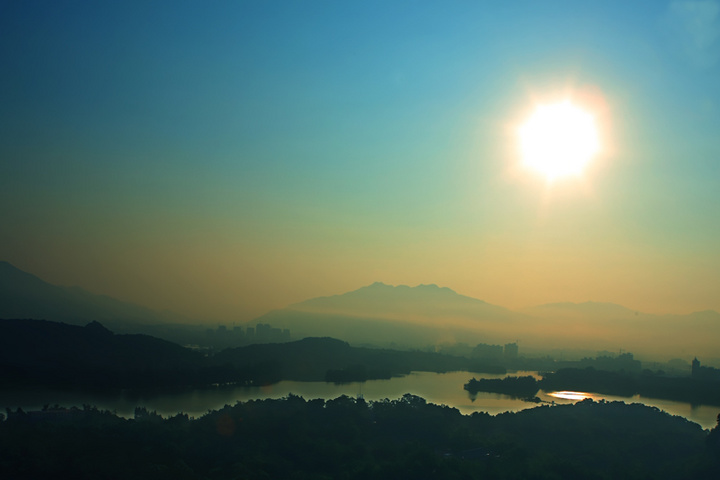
<point>34,342</point>
<point>44,352</point>
<point>39,352</point>
<point>352,439</point>
<point>334,360</point>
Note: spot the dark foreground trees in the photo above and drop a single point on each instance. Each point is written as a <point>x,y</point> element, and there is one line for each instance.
<point>348,438</point>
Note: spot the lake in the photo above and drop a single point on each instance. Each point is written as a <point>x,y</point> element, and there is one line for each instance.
<point>439,388</point>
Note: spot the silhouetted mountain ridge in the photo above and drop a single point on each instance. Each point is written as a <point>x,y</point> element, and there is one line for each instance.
<point>34,341</point>
<point>395,316</point>
<point>381,299</point>
<point>406,316</point>
<point>390,315</point>
<point>23,295</point>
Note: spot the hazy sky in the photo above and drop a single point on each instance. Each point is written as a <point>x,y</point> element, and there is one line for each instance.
<point>224,158</point>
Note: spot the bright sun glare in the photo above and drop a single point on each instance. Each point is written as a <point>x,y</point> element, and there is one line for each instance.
<point>558,140</point>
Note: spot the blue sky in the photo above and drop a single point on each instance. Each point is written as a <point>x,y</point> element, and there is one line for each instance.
<point>226,159</point>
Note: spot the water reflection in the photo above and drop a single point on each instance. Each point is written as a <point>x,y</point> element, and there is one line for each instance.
<point>568,395</point>
<point>438,388</point>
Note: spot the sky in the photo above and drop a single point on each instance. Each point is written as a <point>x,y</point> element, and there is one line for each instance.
<point>222,159</point>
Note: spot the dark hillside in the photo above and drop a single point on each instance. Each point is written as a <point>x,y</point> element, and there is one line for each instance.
<point>335,360</point>
<point>39,351</point>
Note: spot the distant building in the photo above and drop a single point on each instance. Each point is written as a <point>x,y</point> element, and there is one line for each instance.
<point>488,352</point>
<point>704,373</point>
<point>225,337</point>
<point>623,362</point>
<point>511,351</point>
<point>264,332</point>
<point>695,372</point>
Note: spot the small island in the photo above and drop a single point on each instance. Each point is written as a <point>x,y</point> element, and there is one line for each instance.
<point>694,389</point>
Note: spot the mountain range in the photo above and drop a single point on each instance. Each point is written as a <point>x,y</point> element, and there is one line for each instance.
<point>23,295</point>
<point>428,314</point>
<point>401,316</point>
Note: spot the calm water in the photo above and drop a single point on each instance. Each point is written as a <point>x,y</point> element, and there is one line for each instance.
<point>439,388</point>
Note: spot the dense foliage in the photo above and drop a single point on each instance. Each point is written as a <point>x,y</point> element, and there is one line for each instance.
<point>521,387</point>
<point>348,438</point>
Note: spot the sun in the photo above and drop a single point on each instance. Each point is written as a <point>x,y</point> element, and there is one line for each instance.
<point>558,140</point>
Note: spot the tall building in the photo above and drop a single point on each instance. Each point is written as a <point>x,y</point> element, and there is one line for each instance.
<point>511,351</point>
<point>695,372</point>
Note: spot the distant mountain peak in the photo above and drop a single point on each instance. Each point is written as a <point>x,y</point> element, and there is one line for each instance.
<point>98,327</point>
<point>422,286</point>
<point>399,301</point>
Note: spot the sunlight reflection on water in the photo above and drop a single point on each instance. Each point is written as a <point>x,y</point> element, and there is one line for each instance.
<point>569,395</point>
<point>438,388</point>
